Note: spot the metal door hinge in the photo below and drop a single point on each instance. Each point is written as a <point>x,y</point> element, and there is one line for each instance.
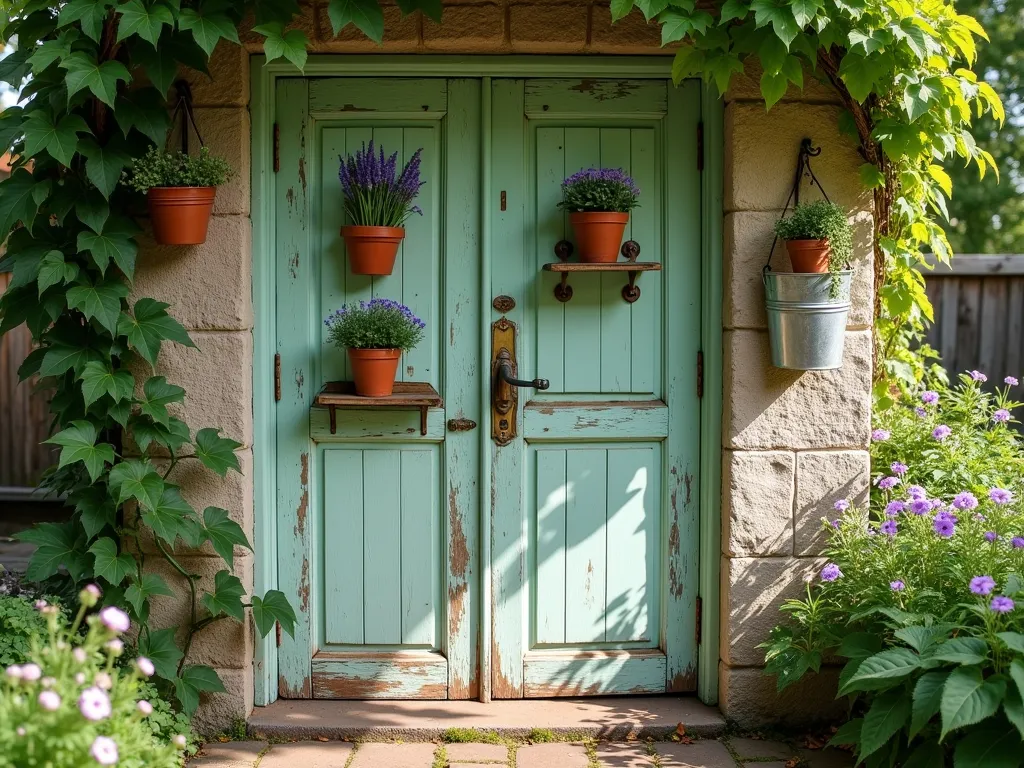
<point>700,374</point>
<point>461,425</point>
<point>700,146</point>
<point>277,377</point>
<point>277,148</point>
<point>700,605</point>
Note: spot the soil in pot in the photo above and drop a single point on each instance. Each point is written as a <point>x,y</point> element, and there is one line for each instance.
<point>372,250</point>
<point>809,255</point>
<point>373,370</point>
<point>180,215</point>
<point>598,235</point>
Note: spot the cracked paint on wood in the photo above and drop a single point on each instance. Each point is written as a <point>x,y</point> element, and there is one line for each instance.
<point>380,676</point>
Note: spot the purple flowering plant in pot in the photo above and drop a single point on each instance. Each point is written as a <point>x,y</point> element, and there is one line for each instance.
<point>374,333</point>
<point>378,201</point>
<point>599,201</point>
<point>922,586</point>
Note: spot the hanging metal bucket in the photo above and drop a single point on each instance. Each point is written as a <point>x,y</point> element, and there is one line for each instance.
<point>806,327</point>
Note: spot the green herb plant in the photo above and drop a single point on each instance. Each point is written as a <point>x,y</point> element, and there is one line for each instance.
<point>821,220</point>
<point>157,168</point>
<point>375,324</point>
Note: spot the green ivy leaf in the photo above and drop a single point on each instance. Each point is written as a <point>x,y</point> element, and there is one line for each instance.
<point>991,746</point>
<point>157,395</point>
<point>773,87</point>
<point>110,565</point>
<point>969,698</point>
<point>620,9</point>
<point>804,11</point>
<point>114,242</point>
<point>676,25</point>
<point>271,609</point>
<point>99,300</point>
<point>365,14</point>
<point>860,73</point>
<point>224,533</point>
<point>207,27</point>
<point>59,139</point>
<point>649,8</point>
<point>92,209</point>
<point>146,22</point>
<point>139,592</point>
<point>95,508</point>
<point>53,270</point>
<point>60,358</point>
<point>145,111</point>
<point>917,97</point>
<point>226,597</point>
<point>927,699</point>
<point>57,544</point>
<point>290,44</point>
<point>136,479</point>
<point>160,648</point>
<point>148,326</point>
<point>688,62</point>
<point>172,436</point>
<point>98,379</point>
<point>888,713</point>
<point>870,176</point>
<point>18,201</point>
<point>104,164</point>
<point>870,41</point>
<point>78,443</point>
<point>430,8</point>
<point>733,9</point>
<point>91,13</point>
<point>50,51</point>
<point>194,680</point>
<point>216,452</point>
<point>779,14</point>
<point>722,68</point>
<point>172,517</point>
<point>100,78</point>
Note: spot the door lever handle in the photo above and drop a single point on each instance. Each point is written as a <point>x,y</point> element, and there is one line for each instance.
<point>505,372</point>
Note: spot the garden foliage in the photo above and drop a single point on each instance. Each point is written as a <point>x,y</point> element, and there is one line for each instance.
<point>923,592</point>
<point>374,324</point>
<point>157,168</point>
<point>599,189</point>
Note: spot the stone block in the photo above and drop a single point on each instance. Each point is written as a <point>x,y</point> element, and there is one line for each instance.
<point>768,408</point>
<point>558,28</point>
<point>761,150</point>
<point>226,133</point>
<point>564,755</point>
<point>208,286</point>
<point>305,21</point>
<point>749,698</point>
<point>393,756</point>
<point>747,87</point>
<point>227,81</point>
<point>821,479</point>
<point>746,244</point>
<point>232,754</point>
<point>308,754</point>
<point>402,33</point>
<point>632,34</point>
<point>218,379</point>
<point>219,711</point>
<point>706,753</point>
<point>757,503</point>
<point>467,29</point>
<point>752,591</point>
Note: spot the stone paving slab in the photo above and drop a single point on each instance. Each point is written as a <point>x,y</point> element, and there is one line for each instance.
<point>700,754</point>
<point>308,754</point>
<point>476,753</point>
<point>760,749</point>
<point>393,756</point>
<point>558,755</point>
<point>233,754</point>
<point>630,755</point>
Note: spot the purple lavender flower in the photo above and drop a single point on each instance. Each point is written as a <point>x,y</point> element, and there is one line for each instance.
<point>599,189</point>
<point>841,506</point>
<point>887,483</point>
<point>897,585</point>
<point>965,500</point>
<point>889,528</point>
<point>941,432</point>
<point>830,572</point>
<point>837,523</point>
<point>898,468</point>
<point>1001,416</point>
<point>880,435</point>
<point>1011,381</point>
<point>991,536</point>
<point>916,492</point>
<point>894,507</point>
<point>1000,495</point>
<point>920,506</point>
<point>1017,542</point>
<point>978,376</point>
<point>1001,604</point>
<point>920,412</point>
<point>944,527</point>
<point>373,195</point>
<point>929,397</point>
<point>982,585</point>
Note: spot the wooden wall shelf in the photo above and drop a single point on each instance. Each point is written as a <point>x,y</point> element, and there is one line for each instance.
<point>632,267</point>
<point>408,395</point>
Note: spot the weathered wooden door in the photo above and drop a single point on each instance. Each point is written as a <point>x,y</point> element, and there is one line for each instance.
<point>595,504</point>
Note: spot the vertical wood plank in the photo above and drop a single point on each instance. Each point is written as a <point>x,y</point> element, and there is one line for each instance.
<point>333,272</point>
<point>391,139</point>
<point>992,330</point>
<point>357,287</point>
<point>382,561</point>
<point>463,368</point>
<point>551,228</point>
<point>550,503</point>
<point>1015,328</point>
<point>633,495</point>
<point>583,313</point>
<point>646,222</point>
<point>343,541</point>
<point>616,328</point>
<point>420,563</point>
<point>296,343</point>
<point>968,334</point>
<point>586,544</point>
<point>950,318</point>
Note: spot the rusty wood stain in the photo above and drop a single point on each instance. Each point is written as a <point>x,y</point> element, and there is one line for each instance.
<point>354,108</point>
<point>501,686</point>
<point>290,197</point>
<point>327,686</point>
<point>300,381</point>
<point>303,508</point>
<point>688,482</point>
<point>410,371</point>
<point>456,607</point>
<point>293,265</point>
<point>604,90</point>
<point>683,681</point>
<point>459,557</point>
<point>302,691</point>
<point>302,159</point>
<point>304,587</point>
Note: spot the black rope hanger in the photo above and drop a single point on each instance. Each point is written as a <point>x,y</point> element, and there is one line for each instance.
<point>183,107</point>
<point>803,168</point>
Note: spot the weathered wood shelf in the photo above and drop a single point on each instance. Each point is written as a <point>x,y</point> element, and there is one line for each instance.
<point>630,291</point>
<point>408,395</point>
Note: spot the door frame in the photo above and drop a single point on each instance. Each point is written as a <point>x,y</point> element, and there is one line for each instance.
<point>263,85</point>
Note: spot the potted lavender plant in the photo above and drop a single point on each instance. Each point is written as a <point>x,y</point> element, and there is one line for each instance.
<point>599,201</point>
<point>375,333</point>
<point>377,204</point>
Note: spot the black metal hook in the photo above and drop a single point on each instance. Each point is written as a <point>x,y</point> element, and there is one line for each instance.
<point>183,106</point>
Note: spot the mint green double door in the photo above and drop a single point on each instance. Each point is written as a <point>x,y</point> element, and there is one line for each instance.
<point>433,560</point>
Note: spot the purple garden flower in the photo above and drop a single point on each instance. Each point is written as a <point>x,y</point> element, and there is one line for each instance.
<point>599,189</point>
<point>978,376</point>
<point>837,523</point>
<point>115,619</point>
<point>941,432</point>
<point>920,506</point>
<point>894,507</point>
<point>916,492</point>
<point>887,483</point>
<point>830,572</point>
<point>929,397</point>
<point>841,506</point>
<point>920,412</point>
<point>944,527</point>
<point>1001,416</point>
<point>1011,381</point>
<point>145,708</point>
<point>49,701</point>
<point>897,585</point>
<point>898,468</point>
<point>94,704</point>
<point>991,536</point>
<point>145,666</point>
<point>373,195</point>
<point>1001,604</point>
<point>982,585</point>
<point>880,435</point>
<point>104,750</point>
<point>889,528</point>
<point>965,500</point>
<point>1017,542</point>
<point>1000,495</point>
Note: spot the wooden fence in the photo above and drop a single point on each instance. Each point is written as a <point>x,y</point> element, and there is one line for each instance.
<point>24,414</point>
<point>979,314</point>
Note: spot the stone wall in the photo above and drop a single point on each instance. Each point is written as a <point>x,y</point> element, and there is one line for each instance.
<point>792,443</point>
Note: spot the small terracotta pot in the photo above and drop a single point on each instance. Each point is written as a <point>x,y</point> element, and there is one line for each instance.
<point>374,370</point>
<point>809,255</point>
<point>372,250</point>
<point>180,215</point>
<point>598,235</point>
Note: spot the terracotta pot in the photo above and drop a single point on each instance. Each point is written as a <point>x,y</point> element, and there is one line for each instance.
<point>180,215</point>
<point>374,370</point>
<point>372,250</point>
<point>809,255</point>
<point>598,235</point>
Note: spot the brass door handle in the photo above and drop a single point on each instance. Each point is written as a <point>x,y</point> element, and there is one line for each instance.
<point>505,372</point>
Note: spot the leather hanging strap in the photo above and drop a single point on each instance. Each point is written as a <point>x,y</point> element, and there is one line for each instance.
<point>803,168</point>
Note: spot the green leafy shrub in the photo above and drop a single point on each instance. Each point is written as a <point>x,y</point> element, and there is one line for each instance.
<point>176,169</point>
<point>20,621</point>
<point>922,592</point>
<point>375,324</point>
<point>820,220</point>
<point>599,189</point>
<point>70,706</point>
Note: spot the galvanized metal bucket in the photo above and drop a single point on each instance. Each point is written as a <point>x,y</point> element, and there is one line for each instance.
<point>806,327</point>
